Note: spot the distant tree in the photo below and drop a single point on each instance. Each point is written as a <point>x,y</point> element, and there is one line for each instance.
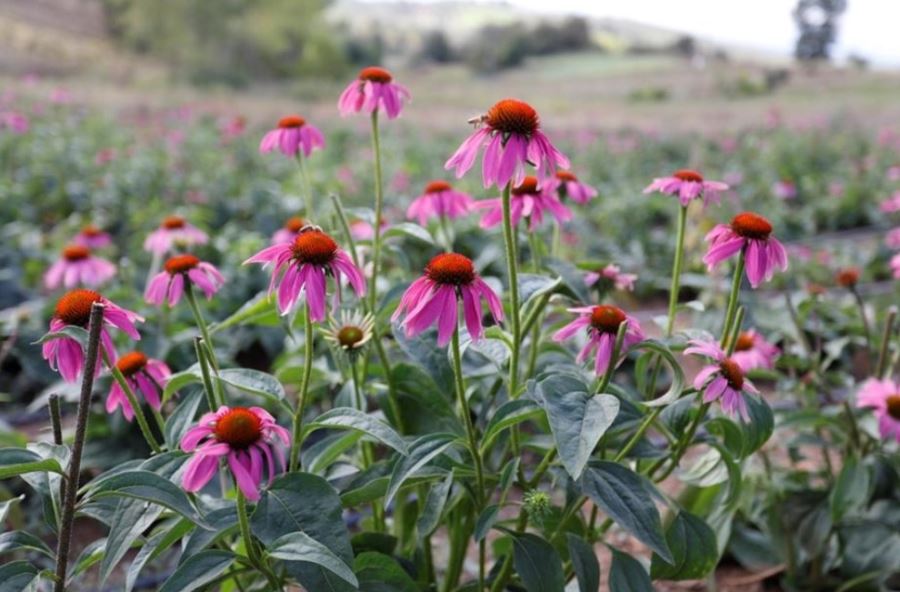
<point>436,48</point>
<point>685,46</point>
<point>817,24</point>
<point>499,47</point>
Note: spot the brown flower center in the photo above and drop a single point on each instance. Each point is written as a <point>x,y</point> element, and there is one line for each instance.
<point>606,318</point>
<point>74,308</point>
<point>750,225</point>
<point>893,406</point>
<point>450,268</point>
<point>294,223</point>
<point>688,175</point>
<point>131,363</point>
<point>173,222</point>
<point>349,336</point>
<point>847,277</point>
<point>437,187</point>
<point>528,186</point>
<point>76,253</point>
<point>239,427</point>
<point>744,341</point>
<point>291,121</point>
<point>732,373</point>
<point>91,231</point>
<point>566,176</point>
<point>512,116</point>
<point>315,247</point>
<point>181,264</point>
<point>375,74</point>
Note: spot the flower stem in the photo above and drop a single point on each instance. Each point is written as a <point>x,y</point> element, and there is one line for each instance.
<point>304,391</point>
<point>345,226</point>
<point>676,269</point>
<point>307,186</point>
<point>379,206</point>
<point>56,419</point>
<point>252,551</point>
<point>366,447</point>
<point>95,325</point>
<point>512,273</point>
<point>135,404</point>
<point>881,367</point>
<point>204,373</point>
<point>733,299</point>
<point>864,318</point>
<point>204,331</point>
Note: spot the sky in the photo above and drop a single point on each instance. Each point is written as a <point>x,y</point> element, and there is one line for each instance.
<point>867,28</point>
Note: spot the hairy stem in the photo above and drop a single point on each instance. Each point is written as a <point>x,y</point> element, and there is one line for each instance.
<point>302,396</point>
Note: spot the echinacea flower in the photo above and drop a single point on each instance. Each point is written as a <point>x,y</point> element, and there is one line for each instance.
<point>688,185</point>
<point>74,310</point>
<point>439,200</point>
<point>601,324</point>
<point>174,231</point>
<point>526,200</point>
<point>93,237</point>
<point>16,122</point>
<point>374,89</point>
<point>751,234</point>
<point>567,186</point>
<point>847,277</point>
<point>723,381</point>
<point>611,274</point>
<point>145,376</point>
<point>289,231</point>
<point>895,266</point>
<point>434,297</point>
<point>301,268</point>
<point>784,189</point>
<point>892,239</point>
<point>179,271</point>
<point>351,332</point>
<point>753,351</point>
<point>77,266</point>
<point>511,137</point>
<point>292,135</point>
<point>248,438</point>
<point>891,204</point>
<point>884,397</point>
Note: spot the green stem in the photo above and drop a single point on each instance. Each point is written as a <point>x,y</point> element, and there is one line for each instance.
<point>367,454</point>
<point>204,331</point>
<point>379,205</point>
<point>345,227</point>
<point>200,350</point>
<point>513,276</point>
<point>676,269</point>
<point>304,391</point>
<point>252,551</point>
<point>307,186</point>
<point>445,230</point>
<point>132,399</point>
<point>682,446</point>
<point>864,318</point>
<point>881,367</point>
<point>733,299</point>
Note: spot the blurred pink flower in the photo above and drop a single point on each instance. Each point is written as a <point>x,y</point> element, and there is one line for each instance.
<point>13,121</point>
<point>439,200</point>
<point>77,266</point>
<point>613,275</point>
<point>895,266</point>
<point>884,397</point>
<point>526,201</point>
<point>232,128</point>
<point>288,232</point>
<point>751,234</point>
<point>893,173</point>
<point>688,185</point>
<point>836,189</point>
<point>722,381</point>
<point>292,136</point>
<point>105,156</point>
<point>145,376</point>
<point>754,351</point>
<point>400,182</point>
<point>891,204</point>
<point>602,325</point>
<point>566,185</point>
<point>178,272</point>
<point>92,237</point>
<point>892,239</point>
<point>373,90</point>
<point>174,231</point>
<point>60,96</point>
<point>784,189</point>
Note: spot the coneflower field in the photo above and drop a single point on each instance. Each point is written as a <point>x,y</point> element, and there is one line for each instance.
<point>497,354</point>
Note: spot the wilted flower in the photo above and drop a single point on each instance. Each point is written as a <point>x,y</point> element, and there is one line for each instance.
<point>752,351</point>
<point>301,268</point>
<point>884,397</point>
<point>434,297</point>
<point>440,200</point>
<point>74,310</point>
<point>688,185</point>
<point>602,325</point>
<point>567,186</point>
<point>292,135</point>
<point>511,136</point>
<point>351,332</point>
<point>174,231</point>
<point>374,89</point>
<point>93,237</point>
<point>751,234</point>
<point>248,438</point>
<point>611,274</point>
<point>724,380</point>
<point>78,266</point>
<point>525,201</point>
<point>179,270</point>
<point>144,375</point>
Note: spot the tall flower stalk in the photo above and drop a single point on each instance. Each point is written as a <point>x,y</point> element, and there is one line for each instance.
<point>303,395</point>
<point>512,263</point>
<point>379,207</point>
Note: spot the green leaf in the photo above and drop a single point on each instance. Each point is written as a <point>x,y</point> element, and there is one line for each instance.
<point>79,334</point>
<point>694,550</point>
<point>19,540</point>
<point>155,546</point>
<point>423,349</point>
<point>301,502</point>
<point>182,417</point>
<point>198,570</point>
<point>18,461</point>
<point>626,574</point>
<point>253,382</point>
<point>486,521</point>
<point>87,559</point>
<point>408,229</point>
<point>223,521</point>
<point>319,456</point>
<point>354,419</point>
<point>133,516</point>
<point>624,496</point>
<point>677,386</point>
<point>537,563</point>
<point>299,546</point>
<point>851,489</point>
<point>507,415</point>
<point>380,573</point>
<point>584,562</point>
<point>259,310</point>
<point>5,506</point>
<point>179,380</point>
<point>149,487</point>
<point>17,576</point>
<point>425,407</point>
<point>421,451</point>
<point>532,285</point>
<point>430,516</point>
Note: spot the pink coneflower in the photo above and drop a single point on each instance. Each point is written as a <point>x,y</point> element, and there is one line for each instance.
<point>361,230</point>
<point>751,234</point>
<point>440,200</point>
<point>567,186</point>
<point>511,136</point>
<point>611,275</point>
<point>434,297</point>
<point>895,265</point>
<point>891,204</point>
<point>688,185</point>
<point>247,437</point>
<point>374,89</point>
<point>892,239</point>
<point>292,135</point>
<point>752,351</point>
<point>724,380</point>
<point>92,237</point>
<point>232,128</point>
<point>884,397</point>
<point>77,266</point>
<point>526,201</point>
<point>301,268</point>
<point>179,270</point>
<point>174,231</point>
<point>601,324</point>
<point>289,231</point>
<point>144,375</point>
<point>13,121</point>
<point>74,309</point>
<point>784,189</point>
